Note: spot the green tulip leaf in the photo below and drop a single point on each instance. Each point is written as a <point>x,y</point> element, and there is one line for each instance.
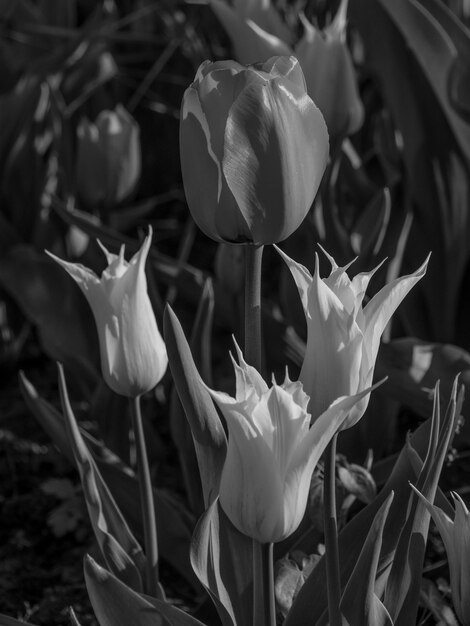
<point>120,549</point>
<point>200,343</point>
<point>311,601</point>
<point>404,581</point>
<point>208,433</point>
<point>115,604</point>
<point>359,603</point>
<point>174,525</point>
<point>222,558</point>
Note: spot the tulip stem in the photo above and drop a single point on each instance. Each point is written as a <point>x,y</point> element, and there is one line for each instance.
<point>331,535</point>
<point>253,259</point>
<point>264,607</point>
<point>151,585</point>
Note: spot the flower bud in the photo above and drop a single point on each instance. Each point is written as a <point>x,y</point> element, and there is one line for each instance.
<point>133,354</point>
<point>330,75</point>
<point>108,158</point>
<point>253,150</point>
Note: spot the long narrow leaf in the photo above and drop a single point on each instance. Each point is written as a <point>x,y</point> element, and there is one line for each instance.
<point>174,525</point>
<point>115,604</point>
<point>359,603</point>
<point>180,429</point>
<point>311,600</point>
<point>404,582</point>
<point>207,430</point>
<point>222,558</point>
<point>120,549</point>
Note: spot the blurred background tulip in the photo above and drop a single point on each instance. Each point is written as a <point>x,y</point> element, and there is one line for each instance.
<point>108,159</point>
<point>330,75</point>
<point>253,150</point>
<point>133,354</point>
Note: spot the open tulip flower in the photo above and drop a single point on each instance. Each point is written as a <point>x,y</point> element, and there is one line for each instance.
<point>272,452</point>
<point>257,32</point>
<point>456,537</point>
<point>343,337</point>
<point>133,354</point>
<point>253,150</point>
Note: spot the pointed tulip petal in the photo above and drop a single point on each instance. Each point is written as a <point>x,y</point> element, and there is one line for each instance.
<point>276,147</point>
<point>380,308</point>
<point>301,275</point>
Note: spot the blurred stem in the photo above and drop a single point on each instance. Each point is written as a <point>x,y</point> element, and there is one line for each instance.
<point>331,535</point>
<point>253,259</point>
<point>264,607</point>
<point>151,584</point>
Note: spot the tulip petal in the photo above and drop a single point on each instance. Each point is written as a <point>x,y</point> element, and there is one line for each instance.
<point>122,278</point>
<point>276,147</point>
<point>250,486</point>
<point>380,308</point>
<point>301,275</point>
<point>201,175</point>
<point>289,424</point>
<point>323,429</point>
<point>110,257</point>
<point>296,390</point>
<point>331,331</point>
<point>82,275</point>
<point>359,285</point>
<point>285,67</point>
<point>247,377</point>
<point>251,42</point>
<point>145,367</point>
<point>216,93</point>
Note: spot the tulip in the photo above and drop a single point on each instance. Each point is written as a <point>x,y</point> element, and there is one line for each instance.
<point>257,33</point>
<point>133,354</point>
<point>108,158</point>
<point>272,452</point>
<point>253,150</point>
<point>343,337</point>
<point>456,537</point>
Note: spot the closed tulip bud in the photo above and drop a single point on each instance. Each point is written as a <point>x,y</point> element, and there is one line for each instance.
<point>330,75</point>
<point>133,354</point>
<point>456,537</point>
<point>272,452</point>
<point>253,150</point>
<point>108,158</point>
<point>343,338</point>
